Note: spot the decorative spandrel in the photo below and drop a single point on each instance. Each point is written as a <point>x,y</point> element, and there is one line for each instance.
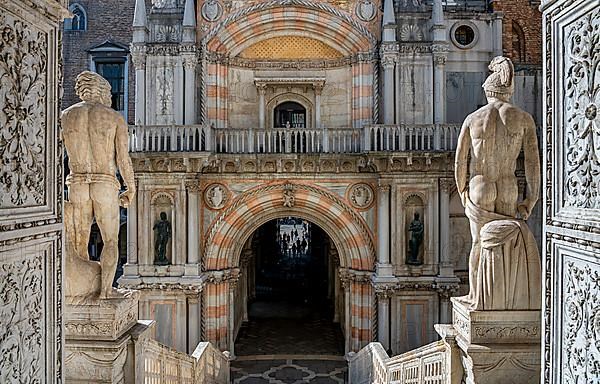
<point>23,89</point>
<point>581,112</point>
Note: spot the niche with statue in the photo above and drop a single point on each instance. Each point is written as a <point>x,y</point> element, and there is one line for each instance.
<point>162,229</point>
<point>414,209</point>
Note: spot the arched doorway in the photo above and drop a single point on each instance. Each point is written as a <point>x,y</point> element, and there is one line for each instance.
<point>289,114</point>
<point>223,258</point>
<point>289,291</point>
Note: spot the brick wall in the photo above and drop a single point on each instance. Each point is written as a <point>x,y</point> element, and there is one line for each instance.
<point>106,20</point>
<point>522,24</point>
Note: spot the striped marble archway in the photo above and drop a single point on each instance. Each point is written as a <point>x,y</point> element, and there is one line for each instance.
<point>346,228</point>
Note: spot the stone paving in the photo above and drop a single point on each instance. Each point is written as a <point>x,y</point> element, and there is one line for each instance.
<point>289,330</point>
<point>288,369</point>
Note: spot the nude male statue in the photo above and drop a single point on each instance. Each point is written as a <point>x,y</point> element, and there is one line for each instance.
<point>494,136</point>
<point>95,138</point>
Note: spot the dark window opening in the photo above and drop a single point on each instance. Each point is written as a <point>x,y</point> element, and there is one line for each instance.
<point>114,73</point>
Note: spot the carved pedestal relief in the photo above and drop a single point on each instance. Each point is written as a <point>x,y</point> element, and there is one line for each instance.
<point>163,215</point>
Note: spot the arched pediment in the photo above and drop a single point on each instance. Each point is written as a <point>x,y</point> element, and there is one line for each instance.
<point>269,19</point>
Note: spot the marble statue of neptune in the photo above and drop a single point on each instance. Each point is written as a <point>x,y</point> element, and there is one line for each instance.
<point>95,137</point>
<point>504,264</point>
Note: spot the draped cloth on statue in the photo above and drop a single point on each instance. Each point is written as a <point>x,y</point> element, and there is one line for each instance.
<point>509,272</point>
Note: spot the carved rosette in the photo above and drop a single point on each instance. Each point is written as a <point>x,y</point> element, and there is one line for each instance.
<point>23,77</point>
<point>216,196</point>
<point>581,112</point>
<point>361,196</point>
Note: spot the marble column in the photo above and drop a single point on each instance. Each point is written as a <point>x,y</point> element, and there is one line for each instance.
<point>193,241</point>
<point>180,228</point>
<point>383,317</point>
<point>189,65</point>
<point>138,57</point>
<point>318,88</point>
<point>446,264</point>
<point>193,324</point>
<point>262,90</point>
<point>178,90</point>
<point>132,256</point>
<point>439,89</point>
<point>445,307</point>
<point>384,268</point>
<point>388,89</point>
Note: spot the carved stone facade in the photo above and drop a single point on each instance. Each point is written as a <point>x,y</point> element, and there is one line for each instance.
<point>571,260</point>
<point>31,242</point>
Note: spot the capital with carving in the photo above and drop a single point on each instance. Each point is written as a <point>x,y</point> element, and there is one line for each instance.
<point>388,62</point>
<point>190,62</point>
<point>439,59</point>
<point>138,56</point>
<point>448,185</point>
<point>262,88</point>
<point>384,188</point>
<point>192,186</point>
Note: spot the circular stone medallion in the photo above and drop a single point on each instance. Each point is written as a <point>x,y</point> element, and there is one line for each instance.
<point>212,10</point>
<point>365,10</point>
<point>215,196</point>
<point>361,195</point>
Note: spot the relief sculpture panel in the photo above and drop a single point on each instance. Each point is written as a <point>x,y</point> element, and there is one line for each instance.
<point>582,117</point>
<point>23,77</point>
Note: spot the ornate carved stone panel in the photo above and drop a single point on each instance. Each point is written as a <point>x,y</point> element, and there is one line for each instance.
<point>571,268</point>
<point>580,320</point>
<point>31,183</point>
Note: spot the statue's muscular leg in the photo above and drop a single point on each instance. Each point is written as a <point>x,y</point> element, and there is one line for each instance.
<point>83,215</point>
<point>106,208</point>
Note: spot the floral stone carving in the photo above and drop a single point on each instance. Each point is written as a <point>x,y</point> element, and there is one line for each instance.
<point>21,316</point>
<point>23,76</point>
<point>582,117</point>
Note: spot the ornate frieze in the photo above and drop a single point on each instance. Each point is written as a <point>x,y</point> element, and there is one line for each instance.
<point>225,275</point>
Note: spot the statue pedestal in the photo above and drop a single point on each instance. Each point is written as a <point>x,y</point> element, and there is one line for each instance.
<point>498,346</point>
<point>98,339</point>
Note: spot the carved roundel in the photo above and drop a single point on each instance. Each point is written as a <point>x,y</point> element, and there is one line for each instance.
<point>365,10</point>
<point>212,10</point>
<point>216,196</point>
<point>361,195</point>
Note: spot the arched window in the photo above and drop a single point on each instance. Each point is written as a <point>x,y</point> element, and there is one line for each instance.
<point>518,43</point>
<point>79,20</point>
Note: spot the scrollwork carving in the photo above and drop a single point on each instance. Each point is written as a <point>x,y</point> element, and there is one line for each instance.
<point>21,316</point>
<point>581,110</point>
<point>23,76</point>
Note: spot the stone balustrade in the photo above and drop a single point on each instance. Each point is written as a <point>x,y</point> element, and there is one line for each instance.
<point>371,138</point>
<point>162,364</point>
<point>427,364</point>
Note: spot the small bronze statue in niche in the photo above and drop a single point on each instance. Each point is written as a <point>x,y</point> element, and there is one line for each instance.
<point>161,239</point>
<point>416,230</point>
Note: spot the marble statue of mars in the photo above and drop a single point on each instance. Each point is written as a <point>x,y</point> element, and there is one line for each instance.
<point>489,144</point>
<point>95,137</point>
